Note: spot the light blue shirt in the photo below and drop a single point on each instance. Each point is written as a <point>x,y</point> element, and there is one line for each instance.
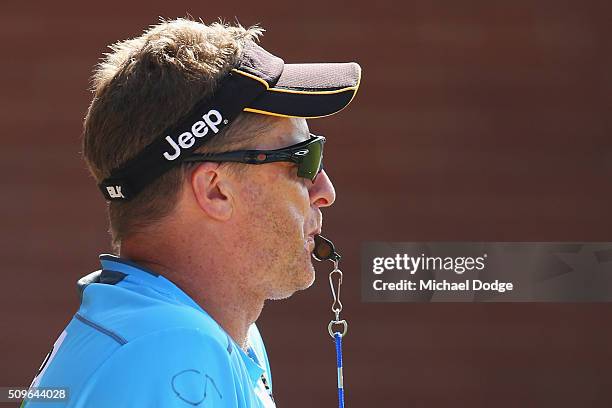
<point>138,340</point>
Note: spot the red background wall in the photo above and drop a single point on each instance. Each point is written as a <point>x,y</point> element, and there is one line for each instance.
<point>475,121</point>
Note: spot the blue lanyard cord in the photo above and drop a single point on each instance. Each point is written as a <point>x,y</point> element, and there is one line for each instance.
<point>333,256</point>
<point>338,339</point>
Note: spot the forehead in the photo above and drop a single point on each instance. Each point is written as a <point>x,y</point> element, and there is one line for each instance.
<point>284,132</point>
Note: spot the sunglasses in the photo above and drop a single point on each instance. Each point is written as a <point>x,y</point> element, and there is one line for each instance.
<point>308,155</point>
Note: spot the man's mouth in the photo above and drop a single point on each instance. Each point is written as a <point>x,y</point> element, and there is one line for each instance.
<point>315,232</point>
<point>310,242</point>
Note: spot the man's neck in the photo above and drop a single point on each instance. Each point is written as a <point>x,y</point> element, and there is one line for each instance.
<point>215,287</point>
<point>233,308</point>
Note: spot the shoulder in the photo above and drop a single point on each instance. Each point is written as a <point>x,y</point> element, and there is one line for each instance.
<point>133,316</point>
<point>171,347</point>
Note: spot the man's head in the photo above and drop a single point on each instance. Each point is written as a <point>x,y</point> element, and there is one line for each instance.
<point>145,85</point>
<point>261,216</point>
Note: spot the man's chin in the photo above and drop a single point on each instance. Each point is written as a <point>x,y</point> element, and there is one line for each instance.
<point>309,281</point>
<point>302,282</point>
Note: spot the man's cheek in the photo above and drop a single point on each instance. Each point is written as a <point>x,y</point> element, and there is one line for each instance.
<point>250,192</point>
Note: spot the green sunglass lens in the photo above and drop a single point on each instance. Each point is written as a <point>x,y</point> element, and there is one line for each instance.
<point>310,162</point>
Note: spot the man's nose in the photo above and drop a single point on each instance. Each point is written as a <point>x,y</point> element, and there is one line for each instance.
<point>322,192</point>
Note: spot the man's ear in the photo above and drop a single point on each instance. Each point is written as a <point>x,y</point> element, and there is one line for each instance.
<point>212,191</point>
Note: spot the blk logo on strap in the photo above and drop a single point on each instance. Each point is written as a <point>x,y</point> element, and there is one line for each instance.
<point>114,192</point>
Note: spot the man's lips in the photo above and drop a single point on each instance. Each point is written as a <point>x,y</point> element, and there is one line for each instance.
<point>310,241</point>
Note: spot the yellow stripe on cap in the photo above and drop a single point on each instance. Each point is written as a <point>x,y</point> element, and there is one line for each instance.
<point>326,92</point>
<point>255,77</point>
<point>280,115</point>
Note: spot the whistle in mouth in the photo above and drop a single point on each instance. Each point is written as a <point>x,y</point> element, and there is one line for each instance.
<point>324,249</point>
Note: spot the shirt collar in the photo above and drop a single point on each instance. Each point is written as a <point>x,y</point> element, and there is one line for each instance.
<point>253,368</point>
<point>142,275</point>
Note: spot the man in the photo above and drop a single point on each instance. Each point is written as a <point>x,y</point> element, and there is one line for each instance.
<point>198,138</point>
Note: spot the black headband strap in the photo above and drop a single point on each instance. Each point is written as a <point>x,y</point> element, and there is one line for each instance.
<point>208,118</point>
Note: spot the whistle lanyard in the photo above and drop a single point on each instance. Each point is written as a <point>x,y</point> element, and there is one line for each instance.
<point>324,251</point>
<point>337,335</point>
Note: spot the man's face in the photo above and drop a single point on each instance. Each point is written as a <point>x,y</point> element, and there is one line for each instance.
<point>278,214</point>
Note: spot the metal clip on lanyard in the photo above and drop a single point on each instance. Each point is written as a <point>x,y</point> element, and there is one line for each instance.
<point>324,250</point>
